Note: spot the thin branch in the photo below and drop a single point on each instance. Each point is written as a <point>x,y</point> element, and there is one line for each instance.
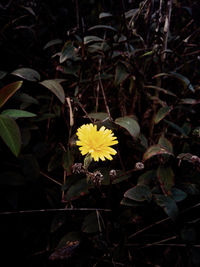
<point>161,221</point>
<point>48,177</point>
<point>50,210</point>
<point>167,245</point>
<point>158,242</point>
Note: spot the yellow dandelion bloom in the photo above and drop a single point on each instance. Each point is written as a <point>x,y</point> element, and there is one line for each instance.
<point>96,142</point>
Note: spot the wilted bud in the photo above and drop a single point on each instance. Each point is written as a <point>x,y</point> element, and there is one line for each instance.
<point>96,178</point>
<point>77,168</point>
<point>139,166</point>
<point>113,173</point>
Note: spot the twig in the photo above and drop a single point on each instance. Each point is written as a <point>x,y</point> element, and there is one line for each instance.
<point>103,92</point>
<point>161,221</point>
<point>158,242</point>
<point>71,115</point>
<point>81,106</point>
<point>53,180</point>
<point>51,210</point>
<point>168,245</point>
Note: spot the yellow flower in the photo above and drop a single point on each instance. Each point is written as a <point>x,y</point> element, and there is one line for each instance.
<point>95,142</point>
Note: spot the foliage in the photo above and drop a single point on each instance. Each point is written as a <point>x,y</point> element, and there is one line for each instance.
<point>135,72</point>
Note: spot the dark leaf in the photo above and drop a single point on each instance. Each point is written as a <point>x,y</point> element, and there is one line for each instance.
<point>90,223</point>
<point>10,133</point>
<point>68,161</point>
<point>186,83</point>
<point>52,42</point>
<point>129,124</point>
<point>92,39</point>
<point>165,178</point>
<point>168,204</point>
<point>139,193</point>
<point>105,15</point>
<point>55,87</point>
<point>80,188</point>
<point>154,151</point>
<point>17,113</point>
<point>162,112</point>
<point>147,177</point>
<point>177,194</point>
<point>120,177</point>
<point>131,203</point>
<point>164,142</point>
<point>68,52</point>
<point>9,90</point>
<point>121,74</point>
<point>27,74</point>
<point>104,27</point>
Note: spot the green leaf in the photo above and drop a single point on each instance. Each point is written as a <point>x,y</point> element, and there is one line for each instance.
<point>176,127</point>
<point>104,15</point>
<point>90,223</point>
<point>147,177</point>
<point>139,193</point>
<point>177,194</point>
<point>164,142</point>
<point>17,113</point>
<point>7,91</point>
<point>154,151</point>
<point>104,27</point>
<point>162,112</point>
<point>168,204</point>
<point>2,74</point>
<point>70,68</point>
<point>121,74</point>
<point>96,47</point>
<point>131,203</point>
<point>52,42</point>
<point>101,116</point>
<point>92,39</point>
<point>10,133</point>
<point>27,99</point>
<point>120,177</point>
<point>55,87</point>
<point>129,124</point>
<point>27,74</point>
<point>165,178</point>
<point>186,83</point>
<point>69,237</point>
<point>80,188</point>
<point>149,53</point>
<point>68,52</point>
<point>68,161</point>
